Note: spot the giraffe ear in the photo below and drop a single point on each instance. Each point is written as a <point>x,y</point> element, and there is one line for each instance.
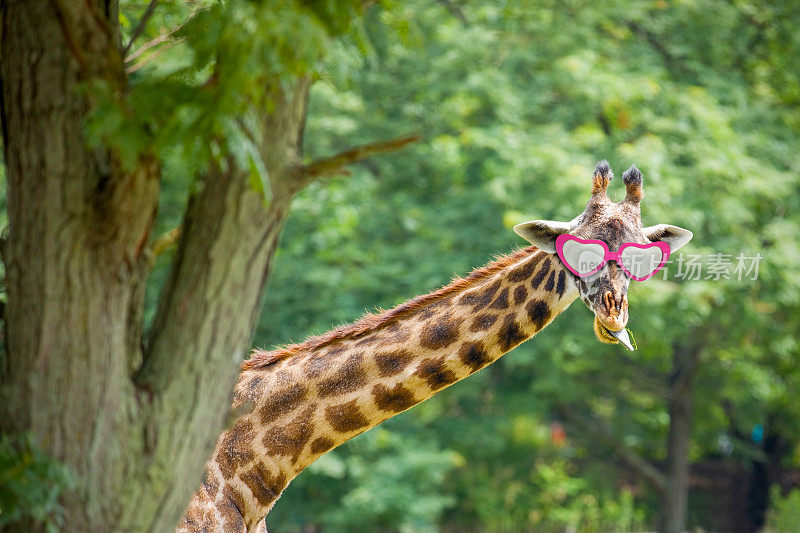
<point>673,235</point>
<point>542,233</point>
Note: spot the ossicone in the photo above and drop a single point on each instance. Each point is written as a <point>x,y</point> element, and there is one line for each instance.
<point>601,178</point>
<point>632,178</point>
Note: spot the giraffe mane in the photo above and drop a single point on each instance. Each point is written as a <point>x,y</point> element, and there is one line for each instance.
<point>372,321</point>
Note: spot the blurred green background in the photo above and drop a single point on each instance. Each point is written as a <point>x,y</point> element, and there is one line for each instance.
<point>516,102</point>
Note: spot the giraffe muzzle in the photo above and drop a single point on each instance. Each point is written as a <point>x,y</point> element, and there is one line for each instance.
<point>611,316</point>
<point>612,311</point>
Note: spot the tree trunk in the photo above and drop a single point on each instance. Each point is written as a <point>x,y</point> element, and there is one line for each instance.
<point>674,498</point>
<point>77,227</point>
<point>765,472</point>
<point>134,424</point>
<point>207,312</point>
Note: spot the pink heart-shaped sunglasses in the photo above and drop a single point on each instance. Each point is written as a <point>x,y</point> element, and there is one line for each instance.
<point>585,257</point>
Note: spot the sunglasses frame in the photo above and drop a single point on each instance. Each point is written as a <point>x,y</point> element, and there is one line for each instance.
<point>609,255</point>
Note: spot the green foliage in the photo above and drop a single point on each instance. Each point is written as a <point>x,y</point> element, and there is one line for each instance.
<point>365,487</point>
<point>30,483</point>
<point>207,71</point>
<point>561,501</point>
<point>784,514</point>
<point>516,107</point>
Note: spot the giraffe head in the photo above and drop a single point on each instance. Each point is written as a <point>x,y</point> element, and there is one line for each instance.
<point>606,291</point>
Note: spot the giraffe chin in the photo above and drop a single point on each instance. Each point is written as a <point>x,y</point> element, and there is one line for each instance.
<point>602,333</point>
<point>607,336</point>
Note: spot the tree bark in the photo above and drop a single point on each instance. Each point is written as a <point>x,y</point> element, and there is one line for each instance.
<point>135,439</point>
<point>675,497</point>
<point>78,223</point>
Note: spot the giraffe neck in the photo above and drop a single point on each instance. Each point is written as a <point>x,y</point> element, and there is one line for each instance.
<point>309,398</point>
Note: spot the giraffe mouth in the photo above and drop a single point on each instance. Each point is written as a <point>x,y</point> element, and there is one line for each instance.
<point>607,336</point>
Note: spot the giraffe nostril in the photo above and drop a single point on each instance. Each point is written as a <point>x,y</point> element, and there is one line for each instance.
<point>608,299</point>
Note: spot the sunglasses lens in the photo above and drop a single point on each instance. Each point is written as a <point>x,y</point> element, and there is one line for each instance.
<point>582,258</point>
<point>641,262</point>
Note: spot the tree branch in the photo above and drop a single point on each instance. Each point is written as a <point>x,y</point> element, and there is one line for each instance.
<point>651,379</point>
<point>334,164</point>
<point>672,62</point>
<point>165,241</point>
<point>455,10</point>
<point>155,41</point>
<point>144,62</point>
<point>686,361</point>
<point>601,432</point>
<point>137,31</point>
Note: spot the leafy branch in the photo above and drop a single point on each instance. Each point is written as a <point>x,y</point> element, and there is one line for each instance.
<point>139,29</point>
<point>335,164</point>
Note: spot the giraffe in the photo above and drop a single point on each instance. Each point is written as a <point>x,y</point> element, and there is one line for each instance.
<point>302,400</point>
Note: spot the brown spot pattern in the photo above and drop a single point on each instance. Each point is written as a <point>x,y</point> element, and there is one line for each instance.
<point>551,281</point>
<point>285,378</point>
<point>321,445</point>
<point>397,334</point>
<point>200,515</point>
<point>482,322</point>
<point>366,341</point>
<point>520,293</point>
<point>248,389</point>
<point>525,271</point>
<point>391,363</point>
<point>561,285</point>
<point>539,313</point>
<point>474,355</point>
<point>298,360</point>
<point>191,518</point>
<point>392,400</point>
<point>510,334</point>
<point>290,438</point>
<point>424,313</point>
<point>435,373</point>
<point>481,298</point>
<point>236,448</point>
<point>316,365</point>
<point>282,403</point>
<point>539,277</point>
<point>232,508</point>
<point>211,484</point>
<point>501,302</point>
<point>265,487</point>
<point>347,378</point>
<point>441,302</point>
<point>439,334</point>
<point>254,385</point>
<point>346,417</point>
